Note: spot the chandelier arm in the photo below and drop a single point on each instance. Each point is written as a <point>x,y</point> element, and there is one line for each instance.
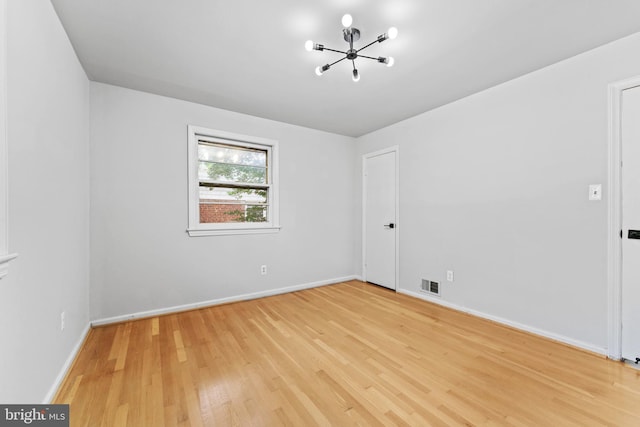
<point>364,47</point>
<point>339,60</point>
<point>337,51</point>
<point>368,57</point>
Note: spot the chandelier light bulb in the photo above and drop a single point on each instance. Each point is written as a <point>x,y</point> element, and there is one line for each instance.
<point>356,76</point>
<point>309,45</point>
<point>392,33</point>
<point>390,61</point>
<point>347,20</point>
<point>322,69</point>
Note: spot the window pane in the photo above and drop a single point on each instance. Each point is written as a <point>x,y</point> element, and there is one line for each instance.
<point>232,155</point>
<point>223,172</point>
<point>231,213</point>
<point>227,205</point>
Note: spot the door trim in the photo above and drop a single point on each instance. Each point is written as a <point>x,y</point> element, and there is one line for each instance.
<point>614,218</point>
<point>5,255</point>
<point>394,149</point>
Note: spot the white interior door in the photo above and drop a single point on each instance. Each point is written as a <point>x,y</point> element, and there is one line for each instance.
<point>630,178</point>
<point>380,222</point>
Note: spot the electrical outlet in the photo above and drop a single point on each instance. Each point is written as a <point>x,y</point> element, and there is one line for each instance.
<point>62,321</point>
<point>263,270</point>
<point>449,276</point>
<point>595,192</point>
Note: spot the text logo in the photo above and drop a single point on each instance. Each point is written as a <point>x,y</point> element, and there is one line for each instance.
<point>34,415</point>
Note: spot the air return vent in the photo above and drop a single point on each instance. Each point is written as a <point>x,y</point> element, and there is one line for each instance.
<point>430,287</point>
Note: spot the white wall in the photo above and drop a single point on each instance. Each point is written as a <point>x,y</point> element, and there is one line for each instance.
<point>142,258</point>
<point>494,187</point>
<point>48,130</point>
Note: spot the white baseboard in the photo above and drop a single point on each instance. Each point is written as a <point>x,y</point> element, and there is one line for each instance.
<point>203,304</point>
<point>546,334</point>
<point>67,365</point>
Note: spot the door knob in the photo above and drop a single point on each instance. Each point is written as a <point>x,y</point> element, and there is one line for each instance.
<point>390,225</point>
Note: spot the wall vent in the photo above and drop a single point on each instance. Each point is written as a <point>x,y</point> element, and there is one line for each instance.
<point>431,287</point>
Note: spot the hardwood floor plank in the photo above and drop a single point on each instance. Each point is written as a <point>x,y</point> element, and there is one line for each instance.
<point>346,354</point>
<point>122,346</point>
<point>122,414</point>
<point>155,326</point>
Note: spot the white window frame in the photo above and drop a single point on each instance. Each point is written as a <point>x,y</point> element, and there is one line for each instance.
<point>5,256</point>
<point>197,229</point>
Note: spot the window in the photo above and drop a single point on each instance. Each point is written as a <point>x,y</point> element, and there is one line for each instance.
<point>232,183</point>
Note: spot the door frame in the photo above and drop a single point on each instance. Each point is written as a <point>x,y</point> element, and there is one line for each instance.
<point>5,256</point>
<point>614,246</point>
<point>393,149</point>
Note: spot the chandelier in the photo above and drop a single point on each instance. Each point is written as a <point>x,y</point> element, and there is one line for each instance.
<point>352,35</point>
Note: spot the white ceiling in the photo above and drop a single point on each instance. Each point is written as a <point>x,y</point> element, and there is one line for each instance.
<point>248,55</point>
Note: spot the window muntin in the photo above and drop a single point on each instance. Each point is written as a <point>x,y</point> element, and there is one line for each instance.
<point>232,183</point>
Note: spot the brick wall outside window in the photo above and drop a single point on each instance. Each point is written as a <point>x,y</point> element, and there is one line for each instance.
<point>220,213</point>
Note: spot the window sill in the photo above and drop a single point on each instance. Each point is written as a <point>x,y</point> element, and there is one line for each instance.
<point>199,232</point>
<point>4,264</point>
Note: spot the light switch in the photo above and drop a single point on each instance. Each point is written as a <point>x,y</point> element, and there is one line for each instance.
<point>595,192</point>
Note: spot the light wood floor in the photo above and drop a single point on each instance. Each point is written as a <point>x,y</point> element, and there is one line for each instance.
<point>347,354</point>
